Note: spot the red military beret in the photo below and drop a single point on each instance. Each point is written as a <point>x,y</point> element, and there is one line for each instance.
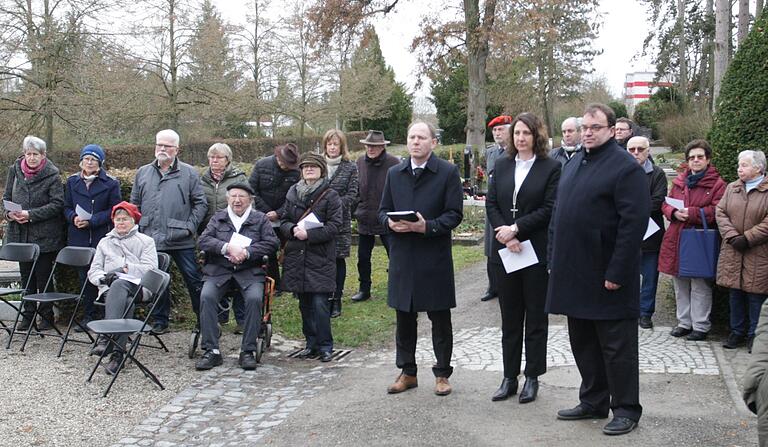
<point>500,120</point>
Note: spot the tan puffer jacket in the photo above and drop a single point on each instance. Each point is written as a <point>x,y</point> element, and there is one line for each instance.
<point>747,214</point>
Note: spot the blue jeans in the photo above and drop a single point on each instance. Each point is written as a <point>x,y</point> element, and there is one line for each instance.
<point>745,305</point>
<point>649,270</point>
<point>316,320</point>
<point>186,261</point>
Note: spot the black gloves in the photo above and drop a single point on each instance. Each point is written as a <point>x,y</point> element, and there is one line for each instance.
<point>109,278</point>
<point>740,243</point>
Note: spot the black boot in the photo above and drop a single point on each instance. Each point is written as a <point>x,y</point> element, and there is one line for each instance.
<point>336,306</point>
<point>362,295</point>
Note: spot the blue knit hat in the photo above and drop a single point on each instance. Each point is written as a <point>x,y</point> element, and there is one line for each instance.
<point>94,150</point>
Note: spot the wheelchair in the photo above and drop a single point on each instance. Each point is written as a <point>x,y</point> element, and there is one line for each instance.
<point>264,339</point>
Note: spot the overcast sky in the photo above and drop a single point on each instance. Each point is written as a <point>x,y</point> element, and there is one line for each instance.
<point>621,37</point>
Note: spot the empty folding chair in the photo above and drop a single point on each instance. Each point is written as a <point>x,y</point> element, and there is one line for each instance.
<point>17,252</point>
<point>155,281</point>
<point>76,257</point>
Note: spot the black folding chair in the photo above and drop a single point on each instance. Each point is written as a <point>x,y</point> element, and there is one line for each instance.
<point>17,252</point>
<point>163,263</point>
<point>76,257</point>
<point>155,281</point>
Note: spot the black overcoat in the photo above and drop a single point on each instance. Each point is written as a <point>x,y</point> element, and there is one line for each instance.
<point>600,217</point>
<point>421,265</point>
<point>534,203</point>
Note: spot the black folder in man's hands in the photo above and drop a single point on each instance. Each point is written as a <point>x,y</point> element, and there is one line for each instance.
<point>397,216</point>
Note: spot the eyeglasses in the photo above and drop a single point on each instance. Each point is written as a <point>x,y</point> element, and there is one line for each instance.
<point>636,150</point>
<point>164,146</point>
<point>593,128</point>
<point>621,129</point>
<point>697,157</point>
<point>216,157</point>
<point>90,160</point>
<point>123,219</point>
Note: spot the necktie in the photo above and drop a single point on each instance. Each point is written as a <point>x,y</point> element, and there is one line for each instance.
<point>417,172</point>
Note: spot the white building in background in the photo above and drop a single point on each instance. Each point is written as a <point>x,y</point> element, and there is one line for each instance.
<point>639,86</point>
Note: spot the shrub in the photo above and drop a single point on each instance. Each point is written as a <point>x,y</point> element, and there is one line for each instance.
<point>679,129</point>
<point>741,118</point>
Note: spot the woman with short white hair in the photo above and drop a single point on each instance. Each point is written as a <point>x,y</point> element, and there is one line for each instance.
<point>742,217</point>
<point>34,183</point>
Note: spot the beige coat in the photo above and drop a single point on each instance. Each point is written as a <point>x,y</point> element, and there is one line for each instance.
<point>747,214</point>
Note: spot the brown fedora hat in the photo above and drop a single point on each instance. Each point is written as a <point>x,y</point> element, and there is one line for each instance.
<point>288,155</point>
<point>375,138</point>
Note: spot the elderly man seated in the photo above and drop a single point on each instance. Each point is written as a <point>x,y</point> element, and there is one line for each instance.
<point>234,242</point>
<point>123,251</point>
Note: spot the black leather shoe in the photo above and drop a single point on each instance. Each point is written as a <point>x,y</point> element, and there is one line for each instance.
<point>336,308</point>
<point>325,356</point>
<point>696,336</point>
<point>750,341</point>
<point>208,361</point>
<point>247,361</point>
<point>114,363</point>
<point>679,332</point>
<point>159,328</point>
<point>530,390</point>
<point>306,353</point>
<point>361,296</point>
<point>507,388</point>
<point>23,325</point>
<point>734,341</point>
<point>579,412</point>
<point>488,296</point>
<point>619,426</point>
<point>645,322</point>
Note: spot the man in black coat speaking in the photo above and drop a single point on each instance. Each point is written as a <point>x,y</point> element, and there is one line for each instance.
<point>600,217</point>
<point>420,260</point>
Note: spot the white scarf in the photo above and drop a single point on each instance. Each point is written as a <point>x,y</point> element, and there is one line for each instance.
<point>237,221</point>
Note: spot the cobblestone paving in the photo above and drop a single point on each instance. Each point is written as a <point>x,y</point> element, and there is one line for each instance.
<point>229,407</point>
<point>232,407</point>
<point>480,349</point>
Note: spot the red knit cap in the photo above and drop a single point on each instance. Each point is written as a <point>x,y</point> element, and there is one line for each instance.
<point>500,120</point>
<point>128,208</point>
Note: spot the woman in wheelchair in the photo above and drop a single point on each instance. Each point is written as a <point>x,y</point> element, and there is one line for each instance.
<point>126,253</point>
<point>234,241</point>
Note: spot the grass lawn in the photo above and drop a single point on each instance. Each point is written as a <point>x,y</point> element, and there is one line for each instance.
<point>369,323</point>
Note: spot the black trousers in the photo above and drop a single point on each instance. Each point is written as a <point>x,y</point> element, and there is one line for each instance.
<point>493,288</point>
<point>606,354</point>
<point>365,243</point>
<point>442,341</point>
<point>37,283</point>
<point>522,295</point>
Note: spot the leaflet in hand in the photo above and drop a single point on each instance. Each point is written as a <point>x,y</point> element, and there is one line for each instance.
<point>238,240</point>
<point>675,203</point>
<point>397,216</point>
<point>81,213</point>
<point>310,222</point>
<point>129,278</point>
<point>652,228</point>
<point>11,206</point>
<point>518,261</point>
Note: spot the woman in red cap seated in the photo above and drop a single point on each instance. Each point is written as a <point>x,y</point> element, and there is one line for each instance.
<point>123,250</point>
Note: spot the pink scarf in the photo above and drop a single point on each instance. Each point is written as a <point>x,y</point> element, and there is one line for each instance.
<point>31,172</point>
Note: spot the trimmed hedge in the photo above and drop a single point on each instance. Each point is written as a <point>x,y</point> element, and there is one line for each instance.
<point>741,118</point>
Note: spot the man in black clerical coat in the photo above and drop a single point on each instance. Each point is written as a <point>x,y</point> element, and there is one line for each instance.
<point>600,216</point>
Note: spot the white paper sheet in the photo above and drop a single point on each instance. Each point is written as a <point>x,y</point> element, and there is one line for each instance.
<point>517,261</point>
<point>238,240</point>
<point>310,222</point>
<point>128,277</point>
<point>675,203</point>
<point>652,228</point>
<point>11,206</point>
<point>81,213</point>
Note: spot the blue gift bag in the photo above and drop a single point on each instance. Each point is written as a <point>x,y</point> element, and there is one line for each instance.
<point>698,251</point>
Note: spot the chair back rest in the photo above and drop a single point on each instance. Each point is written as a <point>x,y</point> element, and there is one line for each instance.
<point>76,256</point>
<point>163,261</point>
<point>18,252</point>
<point>155,281</point>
